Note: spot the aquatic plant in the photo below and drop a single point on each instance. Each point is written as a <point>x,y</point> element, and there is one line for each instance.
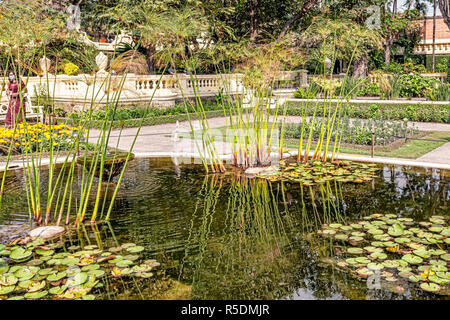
<point>400,251</point>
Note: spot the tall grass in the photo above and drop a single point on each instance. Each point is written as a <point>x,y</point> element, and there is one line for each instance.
<point>70,188</point>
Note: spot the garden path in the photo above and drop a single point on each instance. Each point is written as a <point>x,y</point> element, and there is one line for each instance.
<point>158,139</point>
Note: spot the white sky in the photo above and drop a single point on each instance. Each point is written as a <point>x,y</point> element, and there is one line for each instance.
<point>402,5</point>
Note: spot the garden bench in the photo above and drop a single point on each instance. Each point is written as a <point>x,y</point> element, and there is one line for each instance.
<point>31,112</point>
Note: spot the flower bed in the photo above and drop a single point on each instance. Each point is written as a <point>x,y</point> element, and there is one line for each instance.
<point>37,137</point>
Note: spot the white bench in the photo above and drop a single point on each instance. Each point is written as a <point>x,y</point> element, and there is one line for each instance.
<point>31,112</point>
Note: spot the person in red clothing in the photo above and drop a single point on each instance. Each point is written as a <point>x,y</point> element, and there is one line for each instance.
<point>16,108</point>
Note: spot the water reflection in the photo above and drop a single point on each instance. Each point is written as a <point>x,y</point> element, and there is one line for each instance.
<point>230,237</point>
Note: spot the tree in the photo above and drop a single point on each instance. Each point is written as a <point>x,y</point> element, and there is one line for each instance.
<point>342,38</point>
<point>444,7</point>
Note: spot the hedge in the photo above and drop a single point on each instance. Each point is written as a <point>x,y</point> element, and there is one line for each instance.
<point>412,112</point>
<point>132,123</point>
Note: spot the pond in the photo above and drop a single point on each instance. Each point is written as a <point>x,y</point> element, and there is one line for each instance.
<point>230,237</point>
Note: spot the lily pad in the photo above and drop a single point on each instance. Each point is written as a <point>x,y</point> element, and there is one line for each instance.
<point>431,287</point>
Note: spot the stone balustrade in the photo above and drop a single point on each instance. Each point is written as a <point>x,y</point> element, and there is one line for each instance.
<point>102,88</point>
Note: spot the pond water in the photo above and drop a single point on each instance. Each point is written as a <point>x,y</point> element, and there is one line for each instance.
<point>230,237</point>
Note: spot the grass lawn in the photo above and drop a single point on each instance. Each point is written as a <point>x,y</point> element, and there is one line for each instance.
<point>411,150</point>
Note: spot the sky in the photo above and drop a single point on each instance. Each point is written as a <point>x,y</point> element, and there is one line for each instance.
<point>402,5</point>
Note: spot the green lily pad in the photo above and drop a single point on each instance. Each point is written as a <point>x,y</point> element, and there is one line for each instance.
<point>413,259</point>
<point>20,254</point>
<point>431,287</point>
<point>56,276</point>
<point>135,249</point>
<point>36,295</point>
<point>7,289</point>
<point>375,266</point>
<point>43,252</point>
<point>396,230</point>
<point>355,250</point>
<point>77,279</point>
<point>124,263</point>
<point>378,255</point>
<point>8,280</point>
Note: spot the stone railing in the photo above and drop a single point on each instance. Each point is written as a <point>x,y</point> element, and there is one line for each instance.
<point>134,89</point>
<point>442,46</point>
<point>82,90</point>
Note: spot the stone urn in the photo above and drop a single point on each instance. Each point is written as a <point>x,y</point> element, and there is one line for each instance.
<point>44,65</point>
<point>102,62</point>
<point>114,162</point>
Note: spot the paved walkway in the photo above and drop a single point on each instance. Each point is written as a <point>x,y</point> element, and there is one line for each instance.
<point>161,139</point>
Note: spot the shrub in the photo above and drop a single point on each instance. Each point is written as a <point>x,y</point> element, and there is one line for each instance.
<point>71,69</point>
<point>369,90</point>
<point>414,85</point>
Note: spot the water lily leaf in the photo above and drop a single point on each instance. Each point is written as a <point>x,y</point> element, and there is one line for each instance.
<point>144,274</point>
<point>90,247</point>
<point>70,261</point>
<point>46,271</point>
<point>364,272</point>
<point>355,250</point>
<point>17,298</point>
<point>128,245</point>
<point>36,295</point>
<point>375,231</point>
<point>8,280</point>
<point>371,249</point>
<point>20,254</point>
<point>341,236</point>
<point>56,276</point>
<point>43,252</point>
<point>135,249</point>
<point>362,260</point>
<point>7,289</point>
<point>77,280</point>
<point>422,253</point>
<point>97,273</point>
<point>57,290</point>
<point>333,226</point>
<point>378,255</point>
<point>88,297</point>
<point>26,273</point>
<point>36,286</point>
<point>396,230</point>
<point>417,278</point>
<point>446,257</point>
<point>90,267</point>
<point>124,263</point>
<point>413,259</point>
<point>434,278</point>
<point>431,287</point>
<point>375,266</point>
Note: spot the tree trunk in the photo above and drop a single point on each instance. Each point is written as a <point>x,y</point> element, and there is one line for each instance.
<point>253,19</point>
<point>388,50</point>
<point>444,7</point>
<point>150,57</point>
<point>360,68</point>
<point>307,5</point>
<point>433,54</point>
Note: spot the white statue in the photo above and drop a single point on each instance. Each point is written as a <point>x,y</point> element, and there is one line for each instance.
<point>102,62</point>
<point>44,65</point>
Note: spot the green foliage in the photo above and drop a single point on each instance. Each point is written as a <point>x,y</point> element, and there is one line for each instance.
<point>412,112</point>
<point>440,93</point>
<point>369,90</point>
<point>414,85</point>
<point>405,68</point>
<point>356,132</point>
<point>443,66</point>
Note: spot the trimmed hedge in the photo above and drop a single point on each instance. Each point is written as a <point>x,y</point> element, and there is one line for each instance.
<point>132,123</point>
<point>412,112</point>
